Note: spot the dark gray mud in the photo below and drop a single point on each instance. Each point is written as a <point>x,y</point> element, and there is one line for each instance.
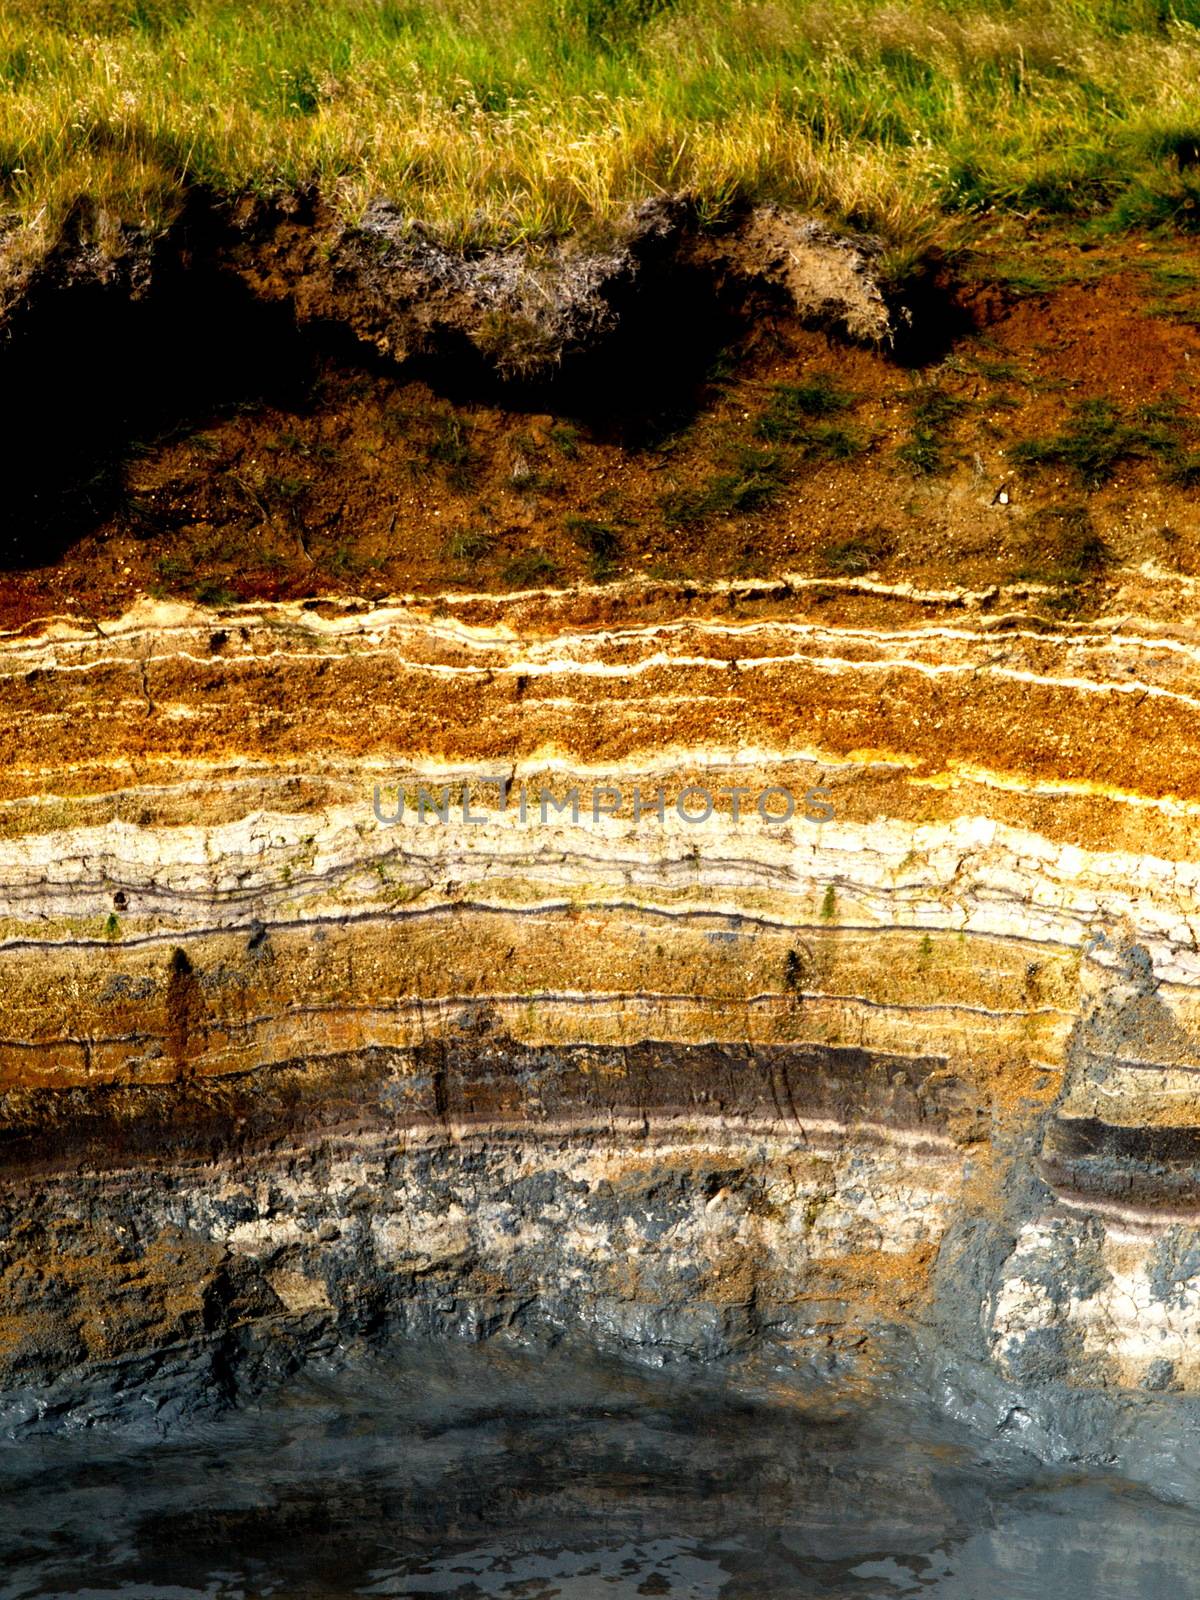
<point>479,1471</point>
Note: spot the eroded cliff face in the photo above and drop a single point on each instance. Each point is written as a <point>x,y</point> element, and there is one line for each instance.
<point>277,1072</point>
<point>773,935</point>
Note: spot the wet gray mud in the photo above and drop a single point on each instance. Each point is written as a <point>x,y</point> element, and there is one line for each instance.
<point>478,1471</point>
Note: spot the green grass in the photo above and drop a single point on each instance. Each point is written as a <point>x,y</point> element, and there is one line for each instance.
<point>1174,275</point>
<point>828,442</point>
<point>788,417</point>
<point>345,562</point>
<point>467,546</point>
<point>213,592</point>
<point>450,449</point>
<point>757,481</point>
<point>280,490</point>
<point>933,410</point>
<point>533,569</point>
<point>565,439</point>
<point>600,542</point>
<point>754,475</point>
<point>525,120</point>
<point>1022,279</point>
<point>1099,436</point>
<point>852,557</point>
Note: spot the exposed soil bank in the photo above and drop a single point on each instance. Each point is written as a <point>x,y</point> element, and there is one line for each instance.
<point>262,405</point>
<point>669,509</point>
<point>241,302</point>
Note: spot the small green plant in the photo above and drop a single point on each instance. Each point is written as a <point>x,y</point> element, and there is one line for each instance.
<point>793,406</point>
<point>532,569</point>
<point>759,477</point>
<point>829,442</point>
<point>933,410</point>
<point>450,449</point>
<point>1173,276</point>
<point>1184,470</point>
<point>1092,444</point>
<point>173,568</point>
<point>1165,197</point>
<point>723,367</point>
<point>565,439</point>
<point>1177,284</point>
<point>925,948</point>
<point>213,592</point>
<point>752,461</point>
<point>345,561</point>
<point>467,546</point>
<point>723,495</point>
<point>829,904</point>
<point>793,971</point>
<point>144,519</point>
<point>278,488</point>
<point>865,551</point>
<point>1023,279</point>
<point>749,563</point>
<point>1098,436</point>
<point>1180,311</point>
<point>396,421</point>
<point>112,926</point>
<point>998,371</point>
<point>600,541</point>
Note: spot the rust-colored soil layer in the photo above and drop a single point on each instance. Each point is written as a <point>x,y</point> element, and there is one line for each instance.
<point>794,453</point>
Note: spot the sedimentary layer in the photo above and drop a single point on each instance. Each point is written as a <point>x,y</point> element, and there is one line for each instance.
<point>343,988</point>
